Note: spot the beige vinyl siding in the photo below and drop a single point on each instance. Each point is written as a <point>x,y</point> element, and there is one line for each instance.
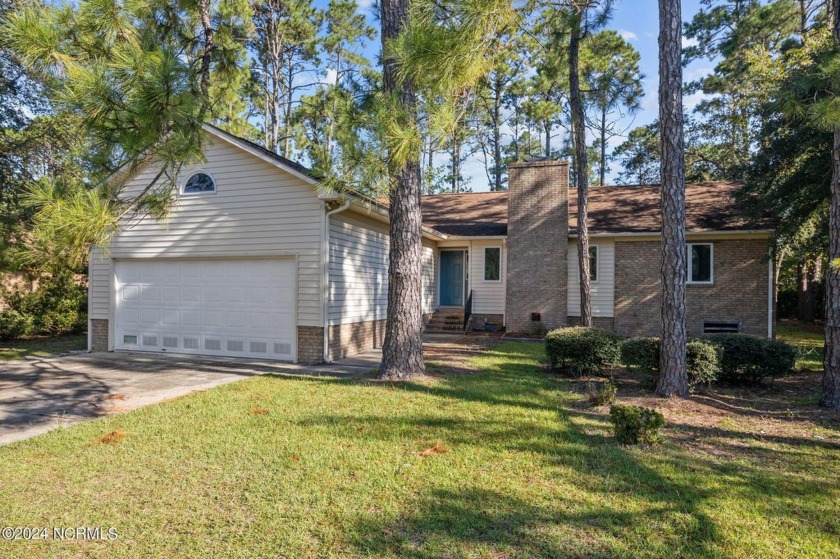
<point>603,290</point>
<point>430,291</point>
<point>99,280</point>
<point>257,210</point>
<point>358,270</point>
<point>488,296</point>
<point>358,284</point>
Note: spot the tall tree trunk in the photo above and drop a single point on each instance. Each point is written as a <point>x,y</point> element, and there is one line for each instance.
<point>547,126</point>
<point>808,276</point>
<point>603,170</point>
<point>287,116</point>
<point>206,56</point>
<point>497,135</point>
<point>581,178</point>
<point>831,362</point>
<point>402,350</point>
<point>673,378</point>
<point>430,167</point>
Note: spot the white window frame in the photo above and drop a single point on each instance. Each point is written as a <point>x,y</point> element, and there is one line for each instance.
<point>688,247</point>
<point>597,265</point>
<point>484,265</point>
<point>193,173</point>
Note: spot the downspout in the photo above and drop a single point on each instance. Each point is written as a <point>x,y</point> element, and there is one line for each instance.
<point>325,276</point>
<point>770,291</point>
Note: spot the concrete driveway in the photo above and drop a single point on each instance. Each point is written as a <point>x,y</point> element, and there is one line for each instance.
<point>41,394</point>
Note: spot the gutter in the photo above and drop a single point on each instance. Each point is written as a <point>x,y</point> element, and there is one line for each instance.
<point>738,232</point>
<point>325,275</point>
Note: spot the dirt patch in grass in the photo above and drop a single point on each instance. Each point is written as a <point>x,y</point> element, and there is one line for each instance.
<point>114,437</point>
<point>452,357</point>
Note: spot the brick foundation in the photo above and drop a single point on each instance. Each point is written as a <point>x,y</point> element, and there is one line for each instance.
<point>478,320</point>
<point>350,339</point>
<point>739,292</point>
<point>98,334</point>
<point>537,243</point>
<point>602,322</point>
<point>310,345</point>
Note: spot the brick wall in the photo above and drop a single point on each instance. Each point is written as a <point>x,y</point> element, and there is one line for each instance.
<point>537,240</point>
<point>739,292</point>
<point>98,334</point>
<point>350,339</point>
<point>310,345</point>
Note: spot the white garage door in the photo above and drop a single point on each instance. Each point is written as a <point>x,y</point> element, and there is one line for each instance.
<point>208,307</point>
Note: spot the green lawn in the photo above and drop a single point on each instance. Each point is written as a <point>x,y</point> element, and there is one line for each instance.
<point>39,347</point>
<point>313,467</point>
<point>808,338</point>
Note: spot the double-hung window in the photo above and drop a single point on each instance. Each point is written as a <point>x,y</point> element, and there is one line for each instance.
<point>701,263</point>
<point>493,264</point>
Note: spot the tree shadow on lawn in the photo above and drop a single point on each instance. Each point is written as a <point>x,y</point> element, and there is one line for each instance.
<point>617,496</point>
<point>611,500</point>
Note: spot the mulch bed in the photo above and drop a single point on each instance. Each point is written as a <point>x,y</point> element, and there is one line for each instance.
<point>785,410</point>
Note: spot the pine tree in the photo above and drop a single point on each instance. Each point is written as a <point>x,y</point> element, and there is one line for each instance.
<point>402,350</point>
<point>610,69</point>
<point>673,378</point>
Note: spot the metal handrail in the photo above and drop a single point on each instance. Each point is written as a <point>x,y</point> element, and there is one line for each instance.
<point>468,310</point>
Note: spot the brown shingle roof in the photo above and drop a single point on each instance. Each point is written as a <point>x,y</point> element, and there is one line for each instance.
<point>710,206</point>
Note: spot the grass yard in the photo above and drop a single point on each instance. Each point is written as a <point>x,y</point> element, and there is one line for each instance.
<point>502,461</point>
<point>810,338</point>
<point>41,347</point>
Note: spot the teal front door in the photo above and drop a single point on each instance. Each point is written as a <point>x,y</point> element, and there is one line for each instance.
<point>452,278</point>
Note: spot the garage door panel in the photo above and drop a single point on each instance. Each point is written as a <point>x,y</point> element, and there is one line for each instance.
<point>214,307</point>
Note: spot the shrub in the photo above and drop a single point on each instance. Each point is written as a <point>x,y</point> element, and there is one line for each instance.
<point>14,325</point>
<point>642,355</point>
<point>749,360</point>
<point>702,360</point>
<point>635,424</point>
<point>601,393</point>
<point>581,350</point>
<point>58,306</point>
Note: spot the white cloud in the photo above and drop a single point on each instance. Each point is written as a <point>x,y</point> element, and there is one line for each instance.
<point>628,35</point>
<point>691,101</point>
<point>365,4</point>
<point>689,42</point>
<point>331,76</point>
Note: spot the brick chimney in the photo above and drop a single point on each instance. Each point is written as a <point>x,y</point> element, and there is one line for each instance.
<point>537,245</point>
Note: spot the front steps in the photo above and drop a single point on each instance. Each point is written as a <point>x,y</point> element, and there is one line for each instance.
<point>446,321</point>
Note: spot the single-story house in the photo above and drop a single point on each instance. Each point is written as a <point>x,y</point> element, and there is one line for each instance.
<point>259,260</point>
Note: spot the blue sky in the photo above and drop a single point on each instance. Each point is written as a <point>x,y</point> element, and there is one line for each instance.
<point>638,22</point>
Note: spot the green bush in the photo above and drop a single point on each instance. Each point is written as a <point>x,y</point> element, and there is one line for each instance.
<point>642,355</point>
<point>581,350</point>
<point>14,325</point>
<point>748,360</point>
<point>635,424</point>
<point>702,360</point>
<point>601,393</point>
<point>58,306</point>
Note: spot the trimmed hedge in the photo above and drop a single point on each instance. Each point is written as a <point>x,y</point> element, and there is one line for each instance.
<point>702,359</point>
<point>581,350</point>
<point>751,359</point>
<point>14,325</point>
<point>635,424</point>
